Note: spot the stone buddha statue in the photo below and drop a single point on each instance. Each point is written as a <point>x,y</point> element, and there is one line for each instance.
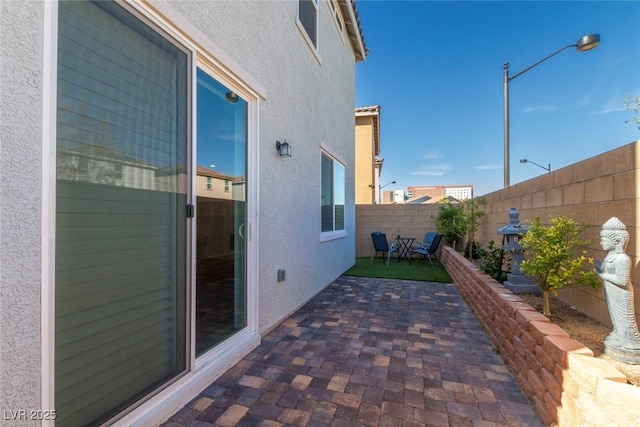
<point>623,343</point>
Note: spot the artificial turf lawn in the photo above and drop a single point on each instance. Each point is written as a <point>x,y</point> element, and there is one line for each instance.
<point>417,270</point>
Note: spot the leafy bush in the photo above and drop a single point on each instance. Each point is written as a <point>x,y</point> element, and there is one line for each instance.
<point>459,221</point>
<point>450,222</point>
<point>494,261</point>
<point>550,257</point>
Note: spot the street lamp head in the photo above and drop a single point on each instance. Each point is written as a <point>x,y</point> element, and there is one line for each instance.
<point>547,168</point>
<point>588,42</point>
<point>393,182</point>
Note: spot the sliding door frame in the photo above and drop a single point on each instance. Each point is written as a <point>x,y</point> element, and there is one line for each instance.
<point>200,372</point>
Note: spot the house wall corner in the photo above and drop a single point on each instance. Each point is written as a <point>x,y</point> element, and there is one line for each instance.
<point>21,85</point>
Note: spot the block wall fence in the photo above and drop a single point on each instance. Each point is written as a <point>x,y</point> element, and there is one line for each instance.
<point>408,220</point>
<point>591,191</point>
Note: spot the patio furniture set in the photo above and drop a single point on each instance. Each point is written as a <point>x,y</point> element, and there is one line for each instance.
<point>404,247</point>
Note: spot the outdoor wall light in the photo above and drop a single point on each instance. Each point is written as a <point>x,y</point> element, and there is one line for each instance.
<point>284,148</point>
<point>231,97</point>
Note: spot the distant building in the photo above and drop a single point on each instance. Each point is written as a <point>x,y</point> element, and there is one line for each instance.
<point>460,192</point>
<point>394,197</point>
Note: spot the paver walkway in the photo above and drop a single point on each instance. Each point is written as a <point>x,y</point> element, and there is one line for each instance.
<point>371,352</point>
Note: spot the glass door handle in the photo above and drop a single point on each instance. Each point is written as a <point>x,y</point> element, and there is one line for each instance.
<point>241,230</point>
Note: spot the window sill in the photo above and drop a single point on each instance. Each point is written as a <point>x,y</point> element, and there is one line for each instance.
<point>310,44</point>
<point>332,235</point>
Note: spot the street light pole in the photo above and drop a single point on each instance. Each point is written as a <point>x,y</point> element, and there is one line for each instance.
<point>505,100</point>
<point>586,43</point>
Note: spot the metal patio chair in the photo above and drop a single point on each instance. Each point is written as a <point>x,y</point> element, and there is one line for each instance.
<point>380,244</point>
<point>428,247</point>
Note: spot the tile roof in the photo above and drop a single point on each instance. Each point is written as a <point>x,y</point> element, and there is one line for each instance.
<point>354,28</point>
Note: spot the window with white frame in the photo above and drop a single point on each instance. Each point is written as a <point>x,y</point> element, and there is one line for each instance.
<point>332,196</point>
<point>209,183</point>
<point>308,17</point>
<point>337,18</point>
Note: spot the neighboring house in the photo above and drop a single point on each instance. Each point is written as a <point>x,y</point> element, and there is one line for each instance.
<point>133,272</point>
<point>368,165</point>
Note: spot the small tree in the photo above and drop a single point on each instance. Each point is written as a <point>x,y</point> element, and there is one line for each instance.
<point>472,213</point>
<point>450,222</point>
<point>550,259</point>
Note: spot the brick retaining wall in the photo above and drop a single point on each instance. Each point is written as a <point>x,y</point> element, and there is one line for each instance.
<point>567,385</point>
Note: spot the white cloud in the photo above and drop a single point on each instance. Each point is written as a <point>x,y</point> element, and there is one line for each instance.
<point>437,170</point>
<point>540,109</point>
<point>614,104</point>
<point>488,167</point>
<point>607,110</point>
<point>433,154</point>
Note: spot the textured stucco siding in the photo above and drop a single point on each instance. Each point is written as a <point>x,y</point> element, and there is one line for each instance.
<point>308,100</point>
<point>307,103</point>
<point>20,204</point>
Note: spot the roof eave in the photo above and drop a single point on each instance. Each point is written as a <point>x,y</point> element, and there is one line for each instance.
<point>354,29</point>
<point>373,112</point>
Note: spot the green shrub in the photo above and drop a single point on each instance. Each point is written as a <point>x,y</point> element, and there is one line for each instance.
<point>450,222</point>
<point>494,261</point>
<point>550,257</point>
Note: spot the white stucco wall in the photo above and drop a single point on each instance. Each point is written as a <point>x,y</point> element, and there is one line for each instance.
<point>20,200</point>
<point>307,103</point>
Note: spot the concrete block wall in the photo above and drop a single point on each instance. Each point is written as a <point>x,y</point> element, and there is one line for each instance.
<point>591,191</point>
<point>408,220</point>
<point>559,375</point>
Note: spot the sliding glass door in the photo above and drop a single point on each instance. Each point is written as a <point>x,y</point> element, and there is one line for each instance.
<point>221,212</point>
<point>121,196</point>
<point>124,181</point>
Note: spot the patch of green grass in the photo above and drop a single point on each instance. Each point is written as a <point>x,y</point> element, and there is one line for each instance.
<point>417,270</point>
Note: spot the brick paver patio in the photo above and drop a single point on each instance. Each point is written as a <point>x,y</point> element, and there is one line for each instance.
<point>370,352</point>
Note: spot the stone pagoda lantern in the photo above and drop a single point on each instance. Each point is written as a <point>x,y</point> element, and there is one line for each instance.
<point>517,282</point>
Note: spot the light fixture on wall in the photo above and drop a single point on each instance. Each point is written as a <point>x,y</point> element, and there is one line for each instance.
<point>284,148</point>
<point>231,97</point>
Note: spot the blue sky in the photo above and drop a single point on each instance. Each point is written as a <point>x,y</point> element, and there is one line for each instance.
<point>436,70</point>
